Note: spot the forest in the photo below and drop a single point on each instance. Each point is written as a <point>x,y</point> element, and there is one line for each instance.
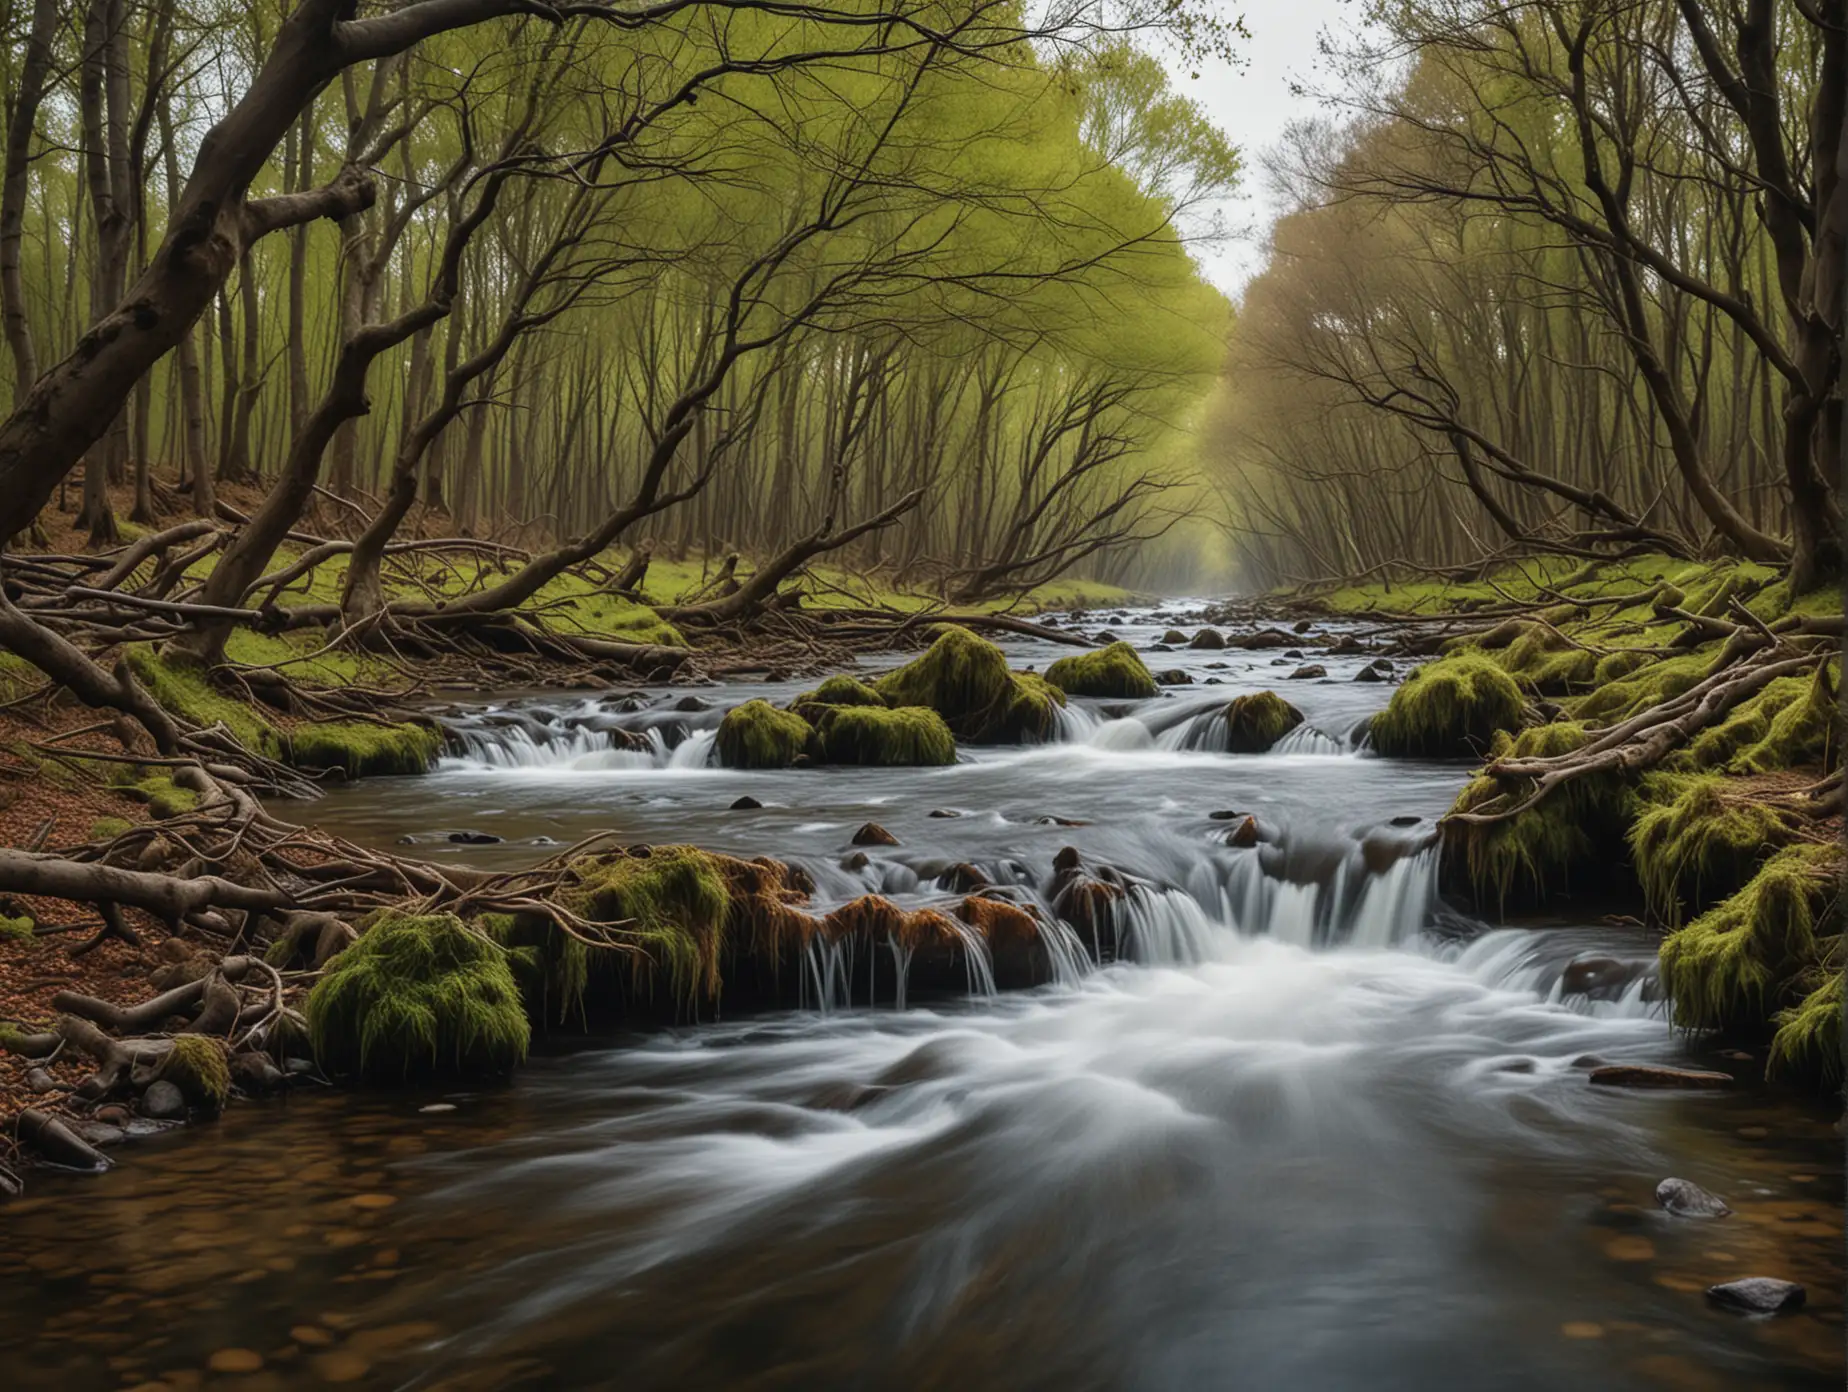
<point>649,648</point>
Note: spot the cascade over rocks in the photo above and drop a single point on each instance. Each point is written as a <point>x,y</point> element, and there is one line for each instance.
<point>1255,723</point>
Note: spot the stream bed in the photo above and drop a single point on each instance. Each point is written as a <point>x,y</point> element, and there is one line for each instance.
<point>1313,1129</point>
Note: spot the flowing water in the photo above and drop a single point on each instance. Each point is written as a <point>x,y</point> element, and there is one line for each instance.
<point>1309,1129</point>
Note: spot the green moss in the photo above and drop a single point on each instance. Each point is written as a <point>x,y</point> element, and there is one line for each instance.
<point>672,902</point>
<point>196,1066</point>
<point>1115,671</point>
<point>16,929</point>
<point>299,655</point>
<point>1255,723</point>
<point>164,798</point>
<point>1726,969</point>
<point>18,677</point>
<point>1808,1042</point>
<point>182,687</point>
<point>1614,667</point>
<point>363,749</point>
<point>1745,725</point>
<point>1650,685</point>
<point>418,995</point>
<point>1693,844</point>
<point>1449,708</point>
<point>108,828</point>
<point>966,680</point>
<point>1803,731</point>
<point>756,735</point>
<point>876,735</point>
<point>1533,854</point>
<point>835,691</point>
<point>1549,662</point>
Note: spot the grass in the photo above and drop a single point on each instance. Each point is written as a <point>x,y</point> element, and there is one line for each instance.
<point>1115,671</point>
<point>1449,708</point>
<point>756,735</point>
<point>418,995</point>
<point>881,736</point>
<point>1255,723</point>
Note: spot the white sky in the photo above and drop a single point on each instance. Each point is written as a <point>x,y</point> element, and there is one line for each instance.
<point>1252,104</point>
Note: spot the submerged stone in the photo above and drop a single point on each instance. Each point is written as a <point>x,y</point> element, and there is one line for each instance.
<point>872,834</point>
<point>1686,1199</point>
<point>1642,1075</point>
<point>1758,1295</point>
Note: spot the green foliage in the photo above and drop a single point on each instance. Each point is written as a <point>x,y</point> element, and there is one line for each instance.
<point>966,680</point>
<point>1255,723</point>
<point>183,688</point>
<point>363,749</point>
<point>1808,1042</point>
<point>1115,671</point>
<point>1726,968</point>
<point>418,995</point>
<point>756,735</point>
<point>16,929</point>
<point>876,735</point>
<point>196,1066</point>
<point>1449,708</point>
<point>1693,843</point>
<point>1532,854</point>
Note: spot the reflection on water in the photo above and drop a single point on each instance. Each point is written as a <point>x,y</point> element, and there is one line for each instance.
<point>1297,1144</point>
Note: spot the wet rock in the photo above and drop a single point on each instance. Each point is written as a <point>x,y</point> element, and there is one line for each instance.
<point>1159,647</point>
<point>963,878</point>
<point>690,702</point>
<point>99,1133</point>
<point>1209,638</point>
<point>1265,638</point>
<point>1758,1295</point>
<point>856,862</point>
<point>1280,662</point>
<point>872,834</point>
<point>1590,1061</point>
<point>542,841</point>
<point>1525,1065</point>
<point>1214,681</point>
<point>163,1101</point>
<point>407,840</point>
<point>1369,674</point>
<point>115,1114</point>
<point>1244,835</point>
<point>1302,626</point>
<point>1225,816</point>
<point>1347,645</point>
<point>1686,1199</point>
<point>1219,666</point>
<point>40,1081</point>
<point>1600,978</point>
<point>1382,666</point>
<point>253,1072</point>
<point>1406,820</point>
<point>1106,636</point>
<point>943,812</point>
<point>747,803</point>
<point>1382,850</point>
<point>1066,860</point>
<point>1174,637</point>
<point>1643,1075</point>
<point>1295,654</point>
<point>1050,820</point>
<point>1305,673</point>
<point>1174,676</point>
<point>473,838</point>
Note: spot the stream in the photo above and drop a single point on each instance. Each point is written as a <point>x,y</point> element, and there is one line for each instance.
<point>1312,1129</point>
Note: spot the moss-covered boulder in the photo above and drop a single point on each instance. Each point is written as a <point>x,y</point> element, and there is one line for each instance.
<point>418,995</point>
<point>362,749</point>
<point>966,680</point>
<point>1450,708</point>
<point>1115,671</point>
<point>1736,966</point>
<point>1255,723</point>
<point>1549,662</point>
<point>196,1066</point>
<point>756,735</point>
<point>1559,844</point>
<point>20,929</point>
<point>880,735</point>
<point>1693,843</point>
<point>671,903</point>
<point>835,691</point>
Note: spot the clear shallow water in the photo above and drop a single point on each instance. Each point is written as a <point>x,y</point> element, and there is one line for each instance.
<point>1301,1142</point>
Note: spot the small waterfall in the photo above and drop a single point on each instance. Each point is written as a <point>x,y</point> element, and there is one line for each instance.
<point>1125,734</point>
<point>1072,723</point>
<point>577,746</point>
<point>1163,927</point>
<point>1537,963</point>
<point>1394,905</point>
<point>1306,739</point>
<point>1204,733</point>
<point>694,752</point>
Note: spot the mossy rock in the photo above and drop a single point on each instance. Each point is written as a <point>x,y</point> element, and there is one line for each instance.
<point>1730,968</point>
<point>196,1066</point>
<point>108,828</point>
<point>1648,685</point>
<point>881,736</point>
<point>1804,731</point>
<point>183,687</point>
<point>1693,844</point>
<point>1807,1047</point>
<point>756,735</point>
<point>361,749</point>
<point>1115,671</point>
<point>1536,854</point>
<point>671,901</point>
<point>418,995</point>
<point>1549,663</point>
<point>19,930</point>
<point>966,680</point>
<point>1255,723</point>
<point>835,691</point>
<point>1450,708</point>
